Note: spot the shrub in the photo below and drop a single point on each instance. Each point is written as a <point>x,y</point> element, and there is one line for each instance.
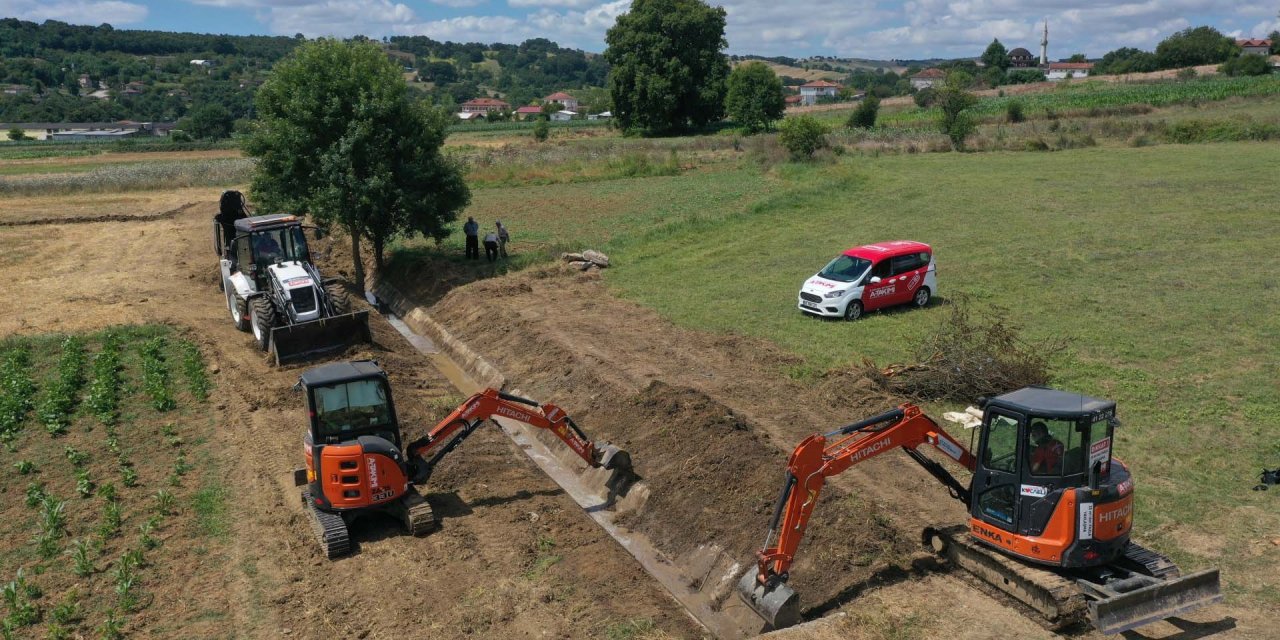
<point>925,97</point>
<point>541,130</point>
<point>864,117</point>
<point>1187,73</point>
<point>1014,111</point>
<point>803,136</point>
<point>1246,65</point>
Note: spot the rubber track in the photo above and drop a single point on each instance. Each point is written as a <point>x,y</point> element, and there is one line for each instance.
<point>330,529</point>
<point>1148,562</point>
<point>1056,598</point>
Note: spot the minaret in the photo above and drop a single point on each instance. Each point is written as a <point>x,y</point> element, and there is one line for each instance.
<point>1044,45</point>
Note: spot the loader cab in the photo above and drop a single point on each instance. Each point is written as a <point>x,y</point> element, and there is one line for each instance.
<point>1040,449</point>
<point>262,241</point>
<point>347,400</point>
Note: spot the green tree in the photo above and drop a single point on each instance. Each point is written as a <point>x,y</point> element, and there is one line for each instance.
<point>668,72</point>
<point>755,98</point>
<point>541,130</point>
<point>1246,65</point>
<point>208,122</point>
<point>953,101</point>
<point>996,56</point>
<point>1191,47</point>
<point>1127,60</point>
<point>1275,41</point>
<point>1078,57</point>
<point>17,134</point>
<point>803,136</point>
<point>340,139</point>
<point>864,117</point>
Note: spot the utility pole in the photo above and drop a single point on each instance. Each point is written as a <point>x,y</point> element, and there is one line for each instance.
<point>1044,44</point>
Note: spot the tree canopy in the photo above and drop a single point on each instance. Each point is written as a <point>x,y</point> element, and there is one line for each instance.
<point>996,56</point>
<point>1127,60</point>
<point>340,139</point>
<point>1195,46</point>
<point>208,122</point>
<point>953,101</point>
<point>668,72</point>
<point>755,98</point>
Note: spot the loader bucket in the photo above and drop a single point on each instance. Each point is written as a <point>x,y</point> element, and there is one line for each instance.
<point>298,342</point>
<point>1149,604</point>
<point>779,605</point>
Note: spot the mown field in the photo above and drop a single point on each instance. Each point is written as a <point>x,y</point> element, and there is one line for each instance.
<point>113,506</point>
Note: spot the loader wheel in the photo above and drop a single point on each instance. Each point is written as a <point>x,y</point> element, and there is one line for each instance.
<point>338,298</point>
<point>239,311</point>
<point>263,318</point>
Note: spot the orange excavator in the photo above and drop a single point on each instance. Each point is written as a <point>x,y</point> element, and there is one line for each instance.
<point>1050,512</point>
<point>356,463</point>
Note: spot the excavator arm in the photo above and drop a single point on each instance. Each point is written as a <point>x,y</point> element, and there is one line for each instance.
<point>808,468</point>
<point>425,453</point>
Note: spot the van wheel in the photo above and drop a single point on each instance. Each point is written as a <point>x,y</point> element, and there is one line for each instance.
<point>922,297</point>
<point>853,311</point>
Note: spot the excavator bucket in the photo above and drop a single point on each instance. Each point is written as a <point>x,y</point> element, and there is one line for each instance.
<point>1124,611</point>
<point>619,462</point>
<point>305,340</point>
<point>779,605</point>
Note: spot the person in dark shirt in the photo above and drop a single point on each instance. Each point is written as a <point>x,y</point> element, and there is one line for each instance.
<point>472,231</point>
<point>1046,458</point>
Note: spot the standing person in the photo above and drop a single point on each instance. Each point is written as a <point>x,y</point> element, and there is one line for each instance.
<point>503,239</point>
<point>472,229</point>
<point>491,246</point>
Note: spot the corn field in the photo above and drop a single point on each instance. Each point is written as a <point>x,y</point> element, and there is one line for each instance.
<point>134,177</point>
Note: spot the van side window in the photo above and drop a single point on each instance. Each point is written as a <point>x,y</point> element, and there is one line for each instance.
<point>903,264</point>
<point>925,259</point>
<point>882,269</point>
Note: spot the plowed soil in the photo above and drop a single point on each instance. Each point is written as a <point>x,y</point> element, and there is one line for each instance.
<point>514,557</point>
<point>709,420</point>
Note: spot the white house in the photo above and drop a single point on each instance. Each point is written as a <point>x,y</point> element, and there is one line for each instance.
<point>603,115</point>
<point>567,101</point>
<point>563,115</point>
<point>810,92</point>
<point>202,63</point>
<point>1255,46</point>
<point>1064,70</point>
<point>928,79</point>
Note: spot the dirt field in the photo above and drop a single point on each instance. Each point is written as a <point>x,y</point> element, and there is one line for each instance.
<point>515,557</point>
<point>711,416</point>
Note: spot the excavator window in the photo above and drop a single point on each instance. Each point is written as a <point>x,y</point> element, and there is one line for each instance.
<point>1051,444</point>
<point>351,408</point>
<point>280,244</point>
<point>1002,444</point>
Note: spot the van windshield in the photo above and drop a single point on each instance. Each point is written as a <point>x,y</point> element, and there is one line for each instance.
<point>845,269</point>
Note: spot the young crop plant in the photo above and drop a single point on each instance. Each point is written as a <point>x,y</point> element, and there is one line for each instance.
<point>18,596</point>
<point>62,618</point>
<point>155,375</point>
<point>104,388</point>
<point>84,486</point>
<point>35,494</point>
<point>128,474</point>
<point>58,406</point>
<point>164,502</point>
<point>24,467</point>
<point>126,578</point>
<point>76,457</point>
<point>81,558</point>
<point>194,370</point>
<point>53,523</point>
<point>146,528</point>
<point>16,390</point>
<point>112,628</point>
<point>111,520</point>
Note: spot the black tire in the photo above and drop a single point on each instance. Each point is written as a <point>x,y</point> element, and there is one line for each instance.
<point>853,311</point>
<point>239,311</point>
<point>921,299</point>
<point>339,301</point>
<point>263,317</point>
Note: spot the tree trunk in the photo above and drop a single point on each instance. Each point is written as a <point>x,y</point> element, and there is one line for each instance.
<point>357,262</point>
<point>377,252</point>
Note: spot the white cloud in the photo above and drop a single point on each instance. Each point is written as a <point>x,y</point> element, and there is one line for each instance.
<point>568,4</point>
<point>93,12</point>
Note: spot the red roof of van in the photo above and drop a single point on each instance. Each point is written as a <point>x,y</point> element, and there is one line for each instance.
<point>889,249</point>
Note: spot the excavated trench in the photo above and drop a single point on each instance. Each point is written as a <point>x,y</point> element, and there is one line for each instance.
<point>709,475</point>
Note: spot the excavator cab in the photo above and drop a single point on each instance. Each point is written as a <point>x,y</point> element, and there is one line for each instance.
<point>1045,461</point>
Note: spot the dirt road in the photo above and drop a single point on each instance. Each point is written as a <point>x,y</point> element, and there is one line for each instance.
<point>514,557</point>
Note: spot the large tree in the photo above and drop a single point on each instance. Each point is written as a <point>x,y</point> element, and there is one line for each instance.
<point>210,121</point>
<point>996,56</point>
<point>954,100</point>
<point>1126,60</point>
<point>755,98</point>
<point>668,72</point>
<point>340,139</point>
<point>1191,47</point>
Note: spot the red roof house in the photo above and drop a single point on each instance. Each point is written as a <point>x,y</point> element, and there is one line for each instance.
<point>484,105</point>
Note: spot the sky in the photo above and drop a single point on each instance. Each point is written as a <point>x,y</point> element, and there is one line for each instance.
<point>872,29</point>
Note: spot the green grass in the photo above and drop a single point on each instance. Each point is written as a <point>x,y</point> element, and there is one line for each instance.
<point>1156,263</point>
<point>210,504</point>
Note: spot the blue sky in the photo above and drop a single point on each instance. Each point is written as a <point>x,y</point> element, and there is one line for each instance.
<point>852,28</point>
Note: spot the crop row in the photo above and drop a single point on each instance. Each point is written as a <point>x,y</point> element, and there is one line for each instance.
<point>104,388</point>
<point>57,407</point>
<point>193,368</point>
<point>1099,95</point>
<point>155,375</point>
<point>16,390</point>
